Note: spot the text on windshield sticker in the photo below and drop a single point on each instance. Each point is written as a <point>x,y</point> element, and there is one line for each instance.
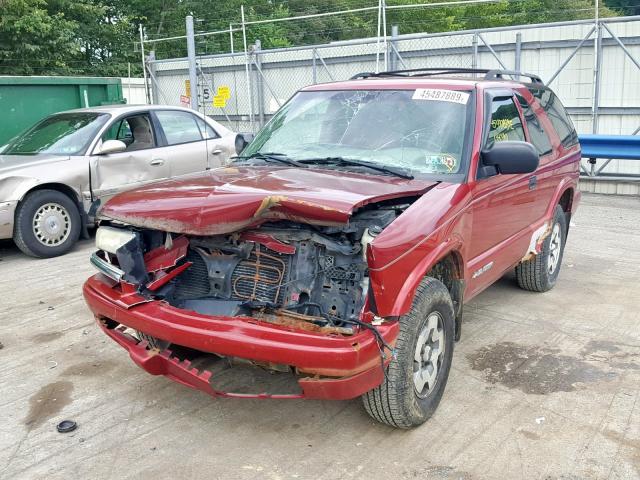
<point>441,95</point>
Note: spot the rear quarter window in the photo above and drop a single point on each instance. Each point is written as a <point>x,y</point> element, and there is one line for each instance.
<point>558,116</point>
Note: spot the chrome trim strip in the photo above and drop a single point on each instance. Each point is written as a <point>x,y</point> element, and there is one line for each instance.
<point>106,268</point>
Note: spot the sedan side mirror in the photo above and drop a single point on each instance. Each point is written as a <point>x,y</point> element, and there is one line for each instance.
<point>509,157</point>
<point>242,140</point>
<point>112,146</point>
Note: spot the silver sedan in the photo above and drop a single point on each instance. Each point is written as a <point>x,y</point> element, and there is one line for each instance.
<point>54,176</point>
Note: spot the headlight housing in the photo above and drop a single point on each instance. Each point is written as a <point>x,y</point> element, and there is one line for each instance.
<point>111,239</point>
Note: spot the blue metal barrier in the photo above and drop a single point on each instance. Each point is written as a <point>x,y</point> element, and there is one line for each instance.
<point>608,147</point>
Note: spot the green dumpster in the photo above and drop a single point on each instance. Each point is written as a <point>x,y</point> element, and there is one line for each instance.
<point>25,100</point>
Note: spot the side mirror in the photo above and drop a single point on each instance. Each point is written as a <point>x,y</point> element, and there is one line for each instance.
<point>242,140</point>
<point>510,157</point>
<point>112,146</point>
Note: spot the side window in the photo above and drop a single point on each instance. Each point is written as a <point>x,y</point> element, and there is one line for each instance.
<point>179,127</point>
<point>558,116</point>
<point>205,127</point>
<point>539,138</point>
<point>135,131</point>
<point>505,122</point>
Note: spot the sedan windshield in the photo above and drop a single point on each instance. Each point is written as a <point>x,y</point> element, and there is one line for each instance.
<point>422,130</point>
<point>61,134</point>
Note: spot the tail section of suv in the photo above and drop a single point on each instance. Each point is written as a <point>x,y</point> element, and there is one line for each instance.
<point>338,249</point>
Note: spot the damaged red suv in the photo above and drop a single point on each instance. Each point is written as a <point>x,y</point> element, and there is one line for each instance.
<point>334,254</point>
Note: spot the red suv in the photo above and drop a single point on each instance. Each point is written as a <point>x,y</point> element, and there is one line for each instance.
<point>338,249</point>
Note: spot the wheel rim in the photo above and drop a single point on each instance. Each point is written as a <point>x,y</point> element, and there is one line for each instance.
<point>428,356</point>
<point>51,224</point>
<point>554,248</point>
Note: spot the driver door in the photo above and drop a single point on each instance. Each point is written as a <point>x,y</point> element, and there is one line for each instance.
<point>503,205</point>
<point>140,163</point>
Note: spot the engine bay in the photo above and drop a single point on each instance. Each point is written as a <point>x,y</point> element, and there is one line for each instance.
<point>309,276</point>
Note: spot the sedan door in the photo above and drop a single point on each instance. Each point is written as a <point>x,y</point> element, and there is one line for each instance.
<point>142,162</point>
<point>186,142</point>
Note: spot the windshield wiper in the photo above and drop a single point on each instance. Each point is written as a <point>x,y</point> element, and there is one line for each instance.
<point>271,157</point>
<point>398,172</point>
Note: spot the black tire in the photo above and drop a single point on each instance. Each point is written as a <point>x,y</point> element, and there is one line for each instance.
<point>45,203</point>
<point>535,274</point>
<point>396,401</point>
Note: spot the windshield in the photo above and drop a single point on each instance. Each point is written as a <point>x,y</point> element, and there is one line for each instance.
<point>61,134</point>
<point>421,130</point>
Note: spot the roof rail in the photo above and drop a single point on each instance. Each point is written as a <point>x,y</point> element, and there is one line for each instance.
<point>489,74</point>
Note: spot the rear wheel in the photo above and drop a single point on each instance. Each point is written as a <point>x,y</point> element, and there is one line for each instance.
<point>416,377</point>
<point>47,224</point>
<point>540,273</point>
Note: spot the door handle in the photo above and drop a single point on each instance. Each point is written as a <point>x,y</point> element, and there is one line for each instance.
<point>156,162</point>
<point>216,152</point>
<point>533,182</point>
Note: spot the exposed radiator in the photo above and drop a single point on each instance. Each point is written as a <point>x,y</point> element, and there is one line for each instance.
<point>260,276</point>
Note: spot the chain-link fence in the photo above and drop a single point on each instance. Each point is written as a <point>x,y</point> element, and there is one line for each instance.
<point>593,67</point>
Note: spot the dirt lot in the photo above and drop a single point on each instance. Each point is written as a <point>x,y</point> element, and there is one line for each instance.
<point>542,386</point>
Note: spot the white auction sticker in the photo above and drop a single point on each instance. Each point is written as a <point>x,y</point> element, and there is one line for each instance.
<point>440,95</point>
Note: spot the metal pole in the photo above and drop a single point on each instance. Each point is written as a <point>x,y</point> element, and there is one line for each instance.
<point>231,36</point>
<point>394,47</point>
<point>144,64</point>
<point>474,44</point>
<point>571,55</point>
<point>191,55</point>
<point>384,35</point>
<point>518,51</point>
<point>378,36</point>
<point>151,70</point>
<point>246,67</point>
<point>129,80</point>
<point>314,72</point>
<point>597,78</point>
<point>259,82</point>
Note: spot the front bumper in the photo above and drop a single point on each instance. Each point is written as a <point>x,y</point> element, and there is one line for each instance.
<point>352,363</point>
<point>7,213</point>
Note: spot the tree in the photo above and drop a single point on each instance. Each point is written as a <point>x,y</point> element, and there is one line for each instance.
<point>33,41</point>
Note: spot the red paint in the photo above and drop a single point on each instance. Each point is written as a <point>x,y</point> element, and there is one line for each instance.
<point>164,278</point>
<point>229,199</point>
<point>477,221</point>
<point>269,242</point>
<point>164,363</point>
<point>162,258</point>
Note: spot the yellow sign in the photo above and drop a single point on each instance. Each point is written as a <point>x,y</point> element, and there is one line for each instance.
<point>187,87</point>
<point>219,101</point>
<point>224,91</point>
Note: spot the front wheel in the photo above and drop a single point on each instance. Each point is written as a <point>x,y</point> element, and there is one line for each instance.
<point>540,273</point>
<point>416,376</point>
<point>47,224</point>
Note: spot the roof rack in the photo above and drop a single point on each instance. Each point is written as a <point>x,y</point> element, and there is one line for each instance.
<point>489,74</point>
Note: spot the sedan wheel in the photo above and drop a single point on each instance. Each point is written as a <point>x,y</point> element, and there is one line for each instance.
<point>51,224</point>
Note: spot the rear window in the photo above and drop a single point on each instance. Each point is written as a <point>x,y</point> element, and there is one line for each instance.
<point>558,116</point>
<point>538,136</point>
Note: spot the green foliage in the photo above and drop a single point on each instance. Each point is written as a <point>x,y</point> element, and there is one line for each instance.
<point>100,37</point>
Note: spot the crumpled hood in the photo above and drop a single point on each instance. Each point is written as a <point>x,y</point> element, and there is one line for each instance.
<point>12,164</point>
<point>228,199</point>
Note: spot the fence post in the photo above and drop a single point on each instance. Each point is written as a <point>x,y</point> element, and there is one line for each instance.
<point>191,54</point>
<point>247,67</point>
<point>597,77</point>
<point>518,51</point>
<point>314,71</point>
<point>144,64</point>
<point>474,44</point>
<point>155,94</point>
<point>259,82</point>
<point>394,47</point>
